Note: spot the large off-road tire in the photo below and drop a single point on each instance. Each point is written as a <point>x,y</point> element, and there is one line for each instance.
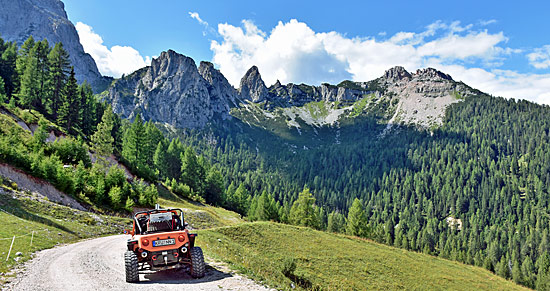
<point>131,263</point>
<point>197,263</point>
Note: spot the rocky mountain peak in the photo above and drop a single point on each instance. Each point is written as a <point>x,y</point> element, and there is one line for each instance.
<point>252,86</point>
<point>173,91</point>
<point>431,74</point>
<point>170,63</point>
<point>47,19</point>
<point>396,74</point>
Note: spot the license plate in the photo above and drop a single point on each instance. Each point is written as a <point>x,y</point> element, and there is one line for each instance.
<point>164,242</point>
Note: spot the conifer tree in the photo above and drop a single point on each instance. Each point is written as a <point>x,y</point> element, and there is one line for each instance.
<point>8,59</point>
<point>357,219</point>
<point>214,187</point>
<point>102,139</point>
<point>3,96</point>
<point>23,54</point>
<point>59,64</point>
<point>132,142</point>
<point>159,159</point>
<point>173,158</point>
<point>192,173</point>
<point>69,110</point>
<point>336,222</point>
<point>303,210</point>
<point>28,67</point>
<point>87,120</point>
<point>43,73</point>
<point>241,199</point>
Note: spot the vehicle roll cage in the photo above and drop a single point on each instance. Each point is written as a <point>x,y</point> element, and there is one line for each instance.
<point>149,212</point>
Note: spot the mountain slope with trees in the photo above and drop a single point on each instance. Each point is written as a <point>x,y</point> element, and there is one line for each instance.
<point>474,189</point>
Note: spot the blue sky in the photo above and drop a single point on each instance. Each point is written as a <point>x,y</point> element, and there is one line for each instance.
<point>500,47</point>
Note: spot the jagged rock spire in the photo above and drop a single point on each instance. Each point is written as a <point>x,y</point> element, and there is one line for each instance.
<point>252,86</point>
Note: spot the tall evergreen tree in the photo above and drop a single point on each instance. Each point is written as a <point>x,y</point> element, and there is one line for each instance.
<point>192,173</point>
<point>69,111</point>
<point>336,222</point>
<point>102,139</point>
<point>89,105</point>
<point>8,72</point>
<point>132,142</point>
<point>3,96</point>
<point>159,160</point>
<point>29,78</point>
<point>59,64</point>
<point>214,187</point>
<point>43,73</point>
<point>357,219</point>
<point>303,210</point>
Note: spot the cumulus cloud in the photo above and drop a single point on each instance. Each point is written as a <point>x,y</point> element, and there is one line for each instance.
<point>115,61</point>
<point>293,52</point>
<point>540,57</point>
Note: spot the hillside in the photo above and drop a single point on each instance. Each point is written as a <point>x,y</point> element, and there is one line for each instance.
<point>39,224</point>
<point>327,261</point>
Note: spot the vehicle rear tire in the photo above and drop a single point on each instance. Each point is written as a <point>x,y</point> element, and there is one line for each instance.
<point>197,267</point>
<point>131,263</point>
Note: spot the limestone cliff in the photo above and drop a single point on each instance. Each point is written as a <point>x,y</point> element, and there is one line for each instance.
<point>47,19</point>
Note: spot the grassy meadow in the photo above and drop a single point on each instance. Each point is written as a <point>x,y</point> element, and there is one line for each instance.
<point>283,256</point>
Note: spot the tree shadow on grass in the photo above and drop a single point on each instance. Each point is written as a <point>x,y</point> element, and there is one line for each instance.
<point>15,207</point>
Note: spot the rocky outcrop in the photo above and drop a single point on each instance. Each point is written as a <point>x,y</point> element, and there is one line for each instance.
<point>220,90</point>
<point>252,86</point>
<point>396,74</point>
<point>173,91</point>
<point>47,19</point>
<point>422,97</point>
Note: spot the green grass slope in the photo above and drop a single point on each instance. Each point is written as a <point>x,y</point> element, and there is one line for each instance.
<point>335,262</point>
<point>198,215</point>
<point>23,213</point>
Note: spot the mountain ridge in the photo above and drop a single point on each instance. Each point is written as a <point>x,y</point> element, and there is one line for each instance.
<point>174,91</point>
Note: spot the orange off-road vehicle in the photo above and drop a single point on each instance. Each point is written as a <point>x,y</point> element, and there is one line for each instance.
<point>160,242</point>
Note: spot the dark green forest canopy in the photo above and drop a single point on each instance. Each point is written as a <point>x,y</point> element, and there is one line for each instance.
<point>487,165</point>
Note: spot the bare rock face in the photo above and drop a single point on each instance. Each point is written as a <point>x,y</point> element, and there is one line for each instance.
<point>222,94</point>
<point>47,19</point>
<point>423,96</point>
<point>173,91</point>
<point>396,74</point>
<point>252,86</point>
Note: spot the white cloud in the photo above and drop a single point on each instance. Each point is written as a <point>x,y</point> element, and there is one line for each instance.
<point>293,52</point>
<point>115,61</point>
<point>196,16</point>
<point>504,83</point>
<point>540,57</point>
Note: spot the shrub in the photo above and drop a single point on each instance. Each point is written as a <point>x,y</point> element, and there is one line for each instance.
<point>116,197</point>
<point>71,151</point>
<point>115,177</point>
<point>289,266</point>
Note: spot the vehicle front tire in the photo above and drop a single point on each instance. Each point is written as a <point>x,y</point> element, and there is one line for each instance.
<point>131,263</point>
<point>197,267</point>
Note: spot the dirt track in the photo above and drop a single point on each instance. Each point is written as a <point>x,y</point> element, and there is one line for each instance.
<point>98,264</point>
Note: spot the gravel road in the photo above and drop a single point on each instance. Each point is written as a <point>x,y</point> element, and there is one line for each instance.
<point>98,264</point>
